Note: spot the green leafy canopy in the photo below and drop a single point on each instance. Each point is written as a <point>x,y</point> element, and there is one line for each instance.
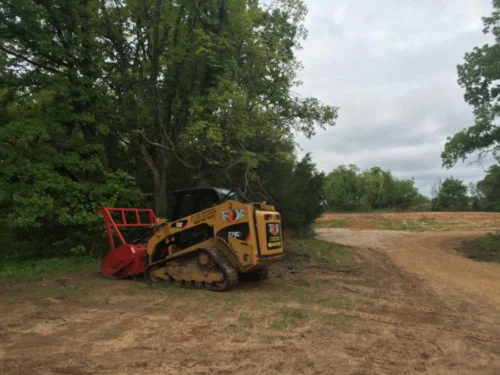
<point>348,189</point>
<point>479,75</point>
<point>117,103</point>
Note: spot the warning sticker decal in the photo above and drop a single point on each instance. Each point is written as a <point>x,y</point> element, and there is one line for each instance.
<point>273,236</point>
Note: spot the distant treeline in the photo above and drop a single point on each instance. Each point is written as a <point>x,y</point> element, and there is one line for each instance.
<point>346,188</point>
<point>486,193</point>
<point>453,195</point>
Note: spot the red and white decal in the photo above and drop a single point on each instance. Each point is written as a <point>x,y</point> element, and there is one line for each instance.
<point>233,216</point>
<point>274,229</point>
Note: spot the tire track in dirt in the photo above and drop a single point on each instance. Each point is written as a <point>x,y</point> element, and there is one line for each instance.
<point>395,316</point>
<point>432,257</point>
<point>429,256</point>
<point>465,299</point>
<point>73,345</point>
<point>410,316</point>
<point>384,304</point>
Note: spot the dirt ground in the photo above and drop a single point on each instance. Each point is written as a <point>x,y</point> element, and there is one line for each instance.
<point>408,304</point>
<point>416,220</point>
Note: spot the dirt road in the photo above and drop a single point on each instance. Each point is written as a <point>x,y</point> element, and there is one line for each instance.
<point>410,305</point>
<point>457,286</point>
<point>430,256</point>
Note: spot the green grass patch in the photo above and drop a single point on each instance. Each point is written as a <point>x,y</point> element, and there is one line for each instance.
<point>63,291</point>
<point>289,318</point>
<point>313,291</point>
<point>337,301</point>
<point>410,225</point>
<point>295,314</point>
<point>430,222</point>
<point>399,225</point>
<point>279,325</point>
<point>307,260</point>
<point>484,249</point>
<point>30,269</point>
<point>231,301</point>
<point>287,292</point>
<point>340,223</point>
<point>337,320</point>
<point>245,320</point>
<point>301,281</point>
<point>313,252</point>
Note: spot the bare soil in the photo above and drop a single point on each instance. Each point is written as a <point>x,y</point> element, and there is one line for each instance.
<point>422,221</point>
<point>409,304</point>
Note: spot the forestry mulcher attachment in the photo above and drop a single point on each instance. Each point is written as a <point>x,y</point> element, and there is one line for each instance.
<point>214,236</point>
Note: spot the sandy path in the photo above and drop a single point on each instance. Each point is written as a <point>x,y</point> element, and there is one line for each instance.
<point>431,257</point>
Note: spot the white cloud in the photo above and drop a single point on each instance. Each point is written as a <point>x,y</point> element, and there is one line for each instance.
<point>391,68</point>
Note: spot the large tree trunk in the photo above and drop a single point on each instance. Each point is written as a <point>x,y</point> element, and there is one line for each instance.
<point>161,160</point>
<point>159,181</point>
<point>161,189</point>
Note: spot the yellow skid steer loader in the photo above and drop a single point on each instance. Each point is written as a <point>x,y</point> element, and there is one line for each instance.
<point>215,236</point>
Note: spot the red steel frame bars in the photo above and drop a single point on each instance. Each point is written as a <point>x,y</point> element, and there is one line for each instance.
<point>112,224</point>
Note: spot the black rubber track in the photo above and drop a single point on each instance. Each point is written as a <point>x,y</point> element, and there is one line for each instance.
<point>230,273</point>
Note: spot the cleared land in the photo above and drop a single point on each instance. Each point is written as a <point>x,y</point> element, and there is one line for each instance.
<point>414,221</point>
<point>381,302</point>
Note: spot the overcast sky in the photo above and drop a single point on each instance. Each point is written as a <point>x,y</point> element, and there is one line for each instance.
<point>391,68</point>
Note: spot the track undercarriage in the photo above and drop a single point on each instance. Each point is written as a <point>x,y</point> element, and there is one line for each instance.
<point>206,269</point>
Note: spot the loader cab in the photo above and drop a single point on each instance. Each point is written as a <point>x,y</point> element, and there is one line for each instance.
<point>190,201</point>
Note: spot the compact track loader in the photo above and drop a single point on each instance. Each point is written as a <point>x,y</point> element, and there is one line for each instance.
<point>215,236</point>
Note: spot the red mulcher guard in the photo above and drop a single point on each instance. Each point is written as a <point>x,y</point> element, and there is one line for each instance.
<point>126,259</point>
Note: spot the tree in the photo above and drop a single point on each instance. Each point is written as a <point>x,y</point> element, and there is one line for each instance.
<point>452,196</point>
<point>343,188</point>
<point>436,187</point>
<point>435,190</point>
<point>374,189</point>
<point>479,76</point>
<point>211,81</point>
<point>475,197</point>
<point>53,125</point>
<point>405,195</point>
<point>115,102</point>
<point>300,198</point>
<point>488,190</point>
<point>347,189</point>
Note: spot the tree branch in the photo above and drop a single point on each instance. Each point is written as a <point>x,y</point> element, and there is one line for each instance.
<point>183,162</point>
<point>482,155</point>
<point>246,180</point>
<point>34,63</point>
<point>8,142</point>
<point>159,145</point>
<point>141,133</point>
<point>150,163</point>
<point>228,176</point>
<point>267,196</point>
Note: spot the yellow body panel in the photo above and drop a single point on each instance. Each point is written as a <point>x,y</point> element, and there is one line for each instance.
<point>249,235</point>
